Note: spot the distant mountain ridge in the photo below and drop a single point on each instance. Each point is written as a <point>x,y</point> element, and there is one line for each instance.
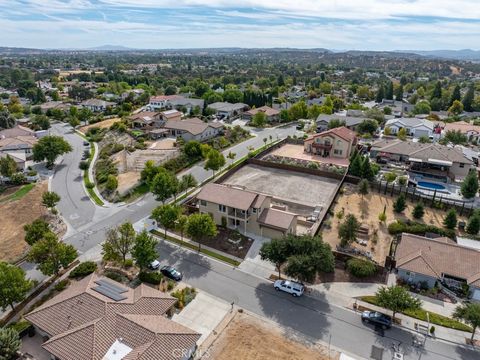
<point>464,54</point>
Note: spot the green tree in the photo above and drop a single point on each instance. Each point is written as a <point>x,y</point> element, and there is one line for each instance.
<point>144,250</point>
<point>380,94</point>
<point>41,122</point>
<point>389,91</point>
<point>363,187</point>
<point>275,251</point>
<point>7,121</point>
<point>418,211</point>
<point>368,126</point>
<point>400,204</point>
<point>187,181</point>
<point>166,215</point>
<point>192,149</point>
<point>397,299</point>
<point>469,187</point>
<point>361,268</point>
<point>112,183</point>
<point>399,93</point>
<point>422,107</point>
<point>163,185</point>
<point>36,231</point>
<point>9,343</point>
<point>215,161</point>
<point>50,199</point>
<point>14,286</point>
<point>118,243</point>
<point>424,139</point>
<point>473,225</point>
<point>366,169</point>
<point>455,137</point>
<point>456,108</point>
<point>468,99</point>
<point>231,156</point>
<point>298,111</point>
<point>450,221</point>
<point>347,231</point>
<point>336,123</point>
<point>456,96</point>
<point>437,91</point>
<point>51,255</point>
<point>355,168</point>
<point>402,134</point>
<point>8,166</point>
<point>259,119</point>
<point>470,313</point>
<point>200,227</point>
<point>49,148</point>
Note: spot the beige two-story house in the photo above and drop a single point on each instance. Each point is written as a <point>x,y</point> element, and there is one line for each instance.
<point>245,211</point>
<point>337,142</point>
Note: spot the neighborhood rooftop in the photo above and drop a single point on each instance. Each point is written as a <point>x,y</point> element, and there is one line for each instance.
<point>228,196</point>
<point>435,257</point>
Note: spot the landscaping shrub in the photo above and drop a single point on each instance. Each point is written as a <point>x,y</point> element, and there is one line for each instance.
<point>128,263</point>
<point>361,268</point>
<point>104,168</point>
<point>83,269</point>
<point>154,278</point>
<point>184,297</point>
<point>418,211</point>
<point>399,205</point>
<point>390,177</point>
<point>402,180</point>
<point>114,276</point>
<point>61,285</point>
<point>399,227</point>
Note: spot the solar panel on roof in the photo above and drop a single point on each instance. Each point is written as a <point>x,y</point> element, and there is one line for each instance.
<point>109,293</point>
<point>111,286</point>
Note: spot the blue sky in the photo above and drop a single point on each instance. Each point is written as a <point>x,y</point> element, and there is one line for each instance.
<point>155,24</point>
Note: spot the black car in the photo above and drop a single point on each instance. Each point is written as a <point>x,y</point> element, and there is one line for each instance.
<point>172,273</point>
<point>86,143</point>
<point>376,318</point>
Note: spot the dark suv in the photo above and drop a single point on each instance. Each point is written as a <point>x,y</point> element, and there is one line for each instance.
<point>378,319</point>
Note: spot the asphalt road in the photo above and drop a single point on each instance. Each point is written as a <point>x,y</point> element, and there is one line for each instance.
<point>313,318</point>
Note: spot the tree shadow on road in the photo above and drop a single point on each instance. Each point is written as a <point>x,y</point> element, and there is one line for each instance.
<point>305,316</point>
<point>186,261</point>
<point>468,353</point>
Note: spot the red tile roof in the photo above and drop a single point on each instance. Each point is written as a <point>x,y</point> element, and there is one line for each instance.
<point>342,132</point>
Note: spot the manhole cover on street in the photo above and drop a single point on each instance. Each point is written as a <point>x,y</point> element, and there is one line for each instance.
<point>377,353</point>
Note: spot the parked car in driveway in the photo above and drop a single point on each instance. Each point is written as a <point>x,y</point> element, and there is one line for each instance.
<point>172,273</point>
<point>291,287</point>
<point>154,265</point>
<point>376,318</point>
<point>86,143</point>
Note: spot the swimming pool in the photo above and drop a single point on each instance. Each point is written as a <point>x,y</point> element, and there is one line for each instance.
<point>432,186</point>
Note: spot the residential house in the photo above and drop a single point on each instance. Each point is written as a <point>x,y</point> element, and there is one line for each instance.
<point>472,132</point>
<point>134,93</point>
<point>351,122</point>
<point>50,105</point>
<point>414,127</point>
<point>145,119</point>
<point>430,160</point>
<point>225,110</point>
<point>171,115</point>
<point>19,140</point>
<point>97,318</point>
<point>17,156</point>
<point>178,102</point>
<point>337,142</point>
<point>97,105</point>
<point>193,129</point>
<point>271,114</point>
<point>399,108</point>
<point>420,259</point>
<point>246,211</point>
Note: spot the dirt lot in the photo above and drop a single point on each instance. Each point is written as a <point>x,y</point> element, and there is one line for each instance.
<point>367,210</point>
<point>127,181</point>
<point>101,124</point>
<point>247,337</point>
<point>15,214</point>
<point>297,152</point>
<point>310,190</point>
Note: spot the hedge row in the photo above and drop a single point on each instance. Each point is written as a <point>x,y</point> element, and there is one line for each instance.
<point>399,227</point>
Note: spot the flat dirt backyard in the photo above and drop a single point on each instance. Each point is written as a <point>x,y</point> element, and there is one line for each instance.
<point>15,214</point>
<point>310,190</point>
<point>249,338</point>
<point>367,210</point>
<point>101,124</point>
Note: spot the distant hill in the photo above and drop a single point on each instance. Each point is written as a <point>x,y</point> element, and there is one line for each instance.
<point>110,48</point>
<point>465,54</point>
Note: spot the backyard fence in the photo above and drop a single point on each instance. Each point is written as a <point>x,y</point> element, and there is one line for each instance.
<point>432,198</point>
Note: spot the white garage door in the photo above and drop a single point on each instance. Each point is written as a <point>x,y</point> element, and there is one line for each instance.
<point>476,295</point>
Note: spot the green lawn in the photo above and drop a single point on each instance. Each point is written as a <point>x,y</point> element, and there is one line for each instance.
<point>91,192</point>
<point>207,252</point>
<point>138,191</point>
<point>17,195</point>
<point>421,314</point>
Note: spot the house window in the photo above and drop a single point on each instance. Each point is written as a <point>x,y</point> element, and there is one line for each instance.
<point>462,165</point>
<point>254,210</point>
<point>222,208</point>
<point>337,152</point>
<point>203,203</point>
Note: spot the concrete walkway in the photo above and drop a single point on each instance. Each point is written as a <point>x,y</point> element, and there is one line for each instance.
<point>203,314</point>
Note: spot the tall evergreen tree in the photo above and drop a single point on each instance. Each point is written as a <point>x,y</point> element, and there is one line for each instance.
<point>389,91</point>
<point>399,93</point>
<point>469,186</point>
<point>455,95</point>
<point>468,98</point>
<point>356,166</point>
<point>437,91</point>
<point>366,169</point>
<point>380,94</point>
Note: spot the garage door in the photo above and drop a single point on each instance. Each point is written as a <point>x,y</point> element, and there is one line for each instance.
<point>476,295</point>
<point>419,133</point>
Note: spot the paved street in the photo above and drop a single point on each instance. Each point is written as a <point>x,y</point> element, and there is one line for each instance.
<point>315,319</point>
